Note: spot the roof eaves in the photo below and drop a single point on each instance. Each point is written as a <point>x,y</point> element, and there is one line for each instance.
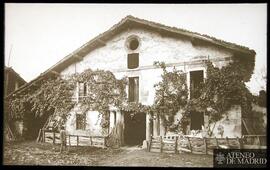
<point>195,34</point>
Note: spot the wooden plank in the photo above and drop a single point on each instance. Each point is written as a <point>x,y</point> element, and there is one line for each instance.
<point>53,137</point>
<point>189,144</point>
<point>43,135</point>
<point>91,142</point>
<point>227,140</point>
<point>39,133</point>
<point>245,125</point>
<point>259,141</point>
<point>205,145</point>
<point>175,147</point>
<point>251,147</point>
<point>184,149</point>
<point>169,151</point>
<point>160,144</point>
<point>239,143</point>
<point>216,142</point>
<point>77,140</point>
<point>155,150</point>
<point>150,142</point>
<point>69,140</point>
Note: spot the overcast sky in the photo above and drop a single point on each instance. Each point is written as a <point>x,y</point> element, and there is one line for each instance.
<point>42,34</point>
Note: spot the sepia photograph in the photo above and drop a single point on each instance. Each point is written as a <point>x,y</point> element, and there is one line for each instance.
<point>135,85</point>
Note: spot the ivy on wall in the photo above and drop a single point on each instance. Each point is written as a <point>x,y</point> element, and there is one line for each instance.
<point>54,95</point>
<point>51,95</point>
<point>221,89</point>
<point>171,94</point>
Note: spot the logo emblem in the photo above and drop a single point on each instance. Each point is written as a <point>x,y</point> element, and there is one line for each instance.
<point>220,158</point>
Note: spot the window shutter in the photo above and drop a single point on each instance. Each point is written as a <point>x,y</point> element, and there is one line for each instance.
<point>133,60</point>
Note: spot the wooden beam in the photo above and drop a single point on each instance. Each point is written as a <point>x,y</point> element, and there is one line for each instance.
<point>55,72</point>
<point>101,42</point>
<point>77,57</point>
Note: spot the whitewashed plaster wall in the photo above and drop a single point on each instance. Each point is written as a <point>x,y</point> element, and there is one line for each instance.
<point>92,123</point>
<point>153,47</point>
<point>232,126</point>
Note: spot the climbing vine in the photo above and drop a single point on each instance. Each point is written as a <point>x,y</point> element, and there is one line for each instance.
<point>222,89</point>
<point>50,95</point>
<point>171,94</point>
<point>55,95</point>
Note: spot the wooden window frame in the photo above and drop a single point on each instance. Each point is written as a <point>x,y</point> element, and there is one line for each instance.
<point>80,124</point>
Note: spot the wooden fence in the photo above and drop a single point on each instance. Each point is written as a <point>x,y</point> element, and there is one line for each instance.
<point>254,141</point>
<point>174,144</point>
<point>49,136</point>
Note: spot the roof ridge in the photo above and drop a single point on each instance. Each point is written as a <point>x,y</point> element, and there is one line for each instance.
<point>175,30</point>
<point>192,32</point>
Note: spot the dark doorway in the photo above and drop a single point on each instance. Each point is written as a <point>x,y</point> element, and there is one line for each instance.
<point>197,120</point>
<point>134,132</point>
<point>196,80</point>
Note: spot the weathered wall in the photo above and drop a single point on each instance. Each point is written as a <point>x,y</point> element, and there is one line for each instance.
<point>232,126</point>
<point>262,110</point>
<point>153,47</point>
<point>92,123</point>
<point>18,127</point>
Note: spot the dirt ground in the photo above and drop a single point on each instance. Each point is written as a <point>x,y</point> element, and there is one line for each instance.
<point>32,153</point>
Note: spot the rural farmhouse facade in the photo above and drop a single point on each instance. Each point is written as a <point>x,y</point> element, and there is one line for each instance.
<point>129,49</point>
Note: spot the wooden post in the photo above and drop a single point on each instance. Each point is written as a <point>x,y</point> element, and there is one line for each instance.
<point>149,146</point>
<point>161,144</point>
<point>77,140</point>
<point>259,140</point>
<point>227,140</point>
<point>162,128</point>
<point>104,142</point>
<point>189,144</point>
<point>53,137</point>
<point>216,142</point>
<point>155,127</point>
<point>39,133</point>
<point>91,142</point>
<point>176,142</point>
<point>69,140</point>
<point>158,125</point>
<point>43,134</point>
<point>239,142</point>
<point>148,128</point>
<point>205,145</point>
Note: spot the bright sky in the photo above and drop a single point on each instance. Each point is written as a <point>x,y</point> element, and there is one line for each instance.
<point>42,34</point>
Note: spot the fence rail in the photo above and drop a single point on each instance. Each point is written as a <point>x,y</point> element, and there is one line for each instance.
<point>197,145</point>
<point>49,136</point>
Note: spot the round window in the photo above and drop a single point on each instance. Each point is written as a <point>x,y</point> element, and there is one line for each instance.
<point>133,44</point>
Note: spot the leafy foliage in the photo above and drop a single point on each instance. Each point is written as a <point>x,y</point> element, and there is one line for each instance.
<point>171,94</point>
<point>103,90</point>
<point>45,97</point>
<point>222,89</point>
<point>54,95</point>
